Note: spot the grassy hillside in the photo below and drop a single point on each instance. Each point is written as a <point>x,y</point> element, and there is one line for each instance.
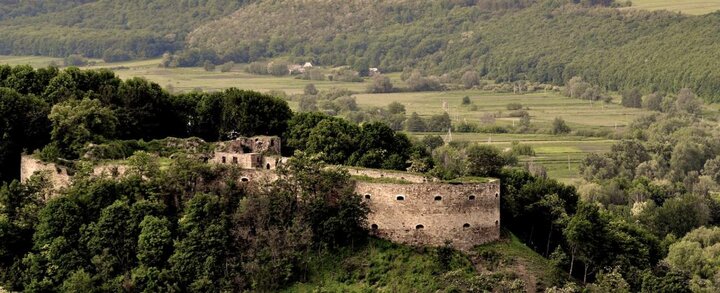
<point>381,266</point>
<point>684,6</point>
<point>548,41</point>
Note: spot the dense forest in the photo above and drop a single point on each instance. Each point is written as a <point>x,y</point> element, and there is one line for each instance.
<point>549,41</point>
<point>112,30</point>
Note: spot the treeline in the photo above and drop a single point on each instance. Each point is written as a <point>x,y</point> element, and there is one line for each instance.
<point>60,112</point>
<point>109,29</point>
<point>187,228</point>
<point>664,176</point>
<point>14,8</point>
<point>550,41</point>
<point>65,110</point>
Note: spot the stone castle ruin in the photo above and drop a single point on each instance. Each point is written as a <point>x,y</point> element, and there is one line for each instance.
<point>404,207</point>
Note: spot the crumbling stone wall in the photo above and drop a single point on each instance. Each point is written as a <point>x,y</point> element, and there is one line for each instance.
<point>376,173</point>
<point>432,213</point>
<point>56,174</point>
<point>268,145</point>
<point>244,161</point>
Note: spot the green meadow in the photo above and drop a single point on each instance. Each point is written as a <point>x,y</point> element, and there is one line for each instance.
<point>695,7</point>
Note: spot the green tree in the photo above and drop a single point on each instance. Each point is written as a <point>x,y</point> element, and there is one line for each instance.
<point>250,113</point>
<point>470,79</point>
<point>653,102</point>
<point>336,139</point>
<point>202,249</point>
<point>23,125</point>
<point>712,169</point>
<point>396,108</point>
<point>687,102</point>
<point>431,142</point>
<point>310,89</point>
<point>611,281</point>
<point>484,160</point>
<point>79,281</point>
<point>587,234</point>
<point>114,234</point>
<point>559,126</point>
<point>696,253</point>
<point>380,84</point>
<point>299,129</point>
<point>76,123</point>
<point>415,123</point>
<point>439,123</point>
<point>154,242</point>
<point>632,98</point>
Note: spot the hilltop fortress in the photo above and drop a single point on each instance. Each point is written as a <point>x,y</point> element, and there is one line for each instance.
<point>412,209</point>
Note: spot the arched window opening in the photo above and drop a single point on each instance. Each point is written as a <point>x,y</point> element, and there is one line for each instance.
<point>235,160</point>
<point>400,197</point>
<point>438,198</point>
<point>367,196</point>
<point>374,226</point>
<point>267,166</point>
<point>497,194</point>
<point>224,160</point>
<point>472,197</point>
<point>466,225</point>
<point>419,227</point>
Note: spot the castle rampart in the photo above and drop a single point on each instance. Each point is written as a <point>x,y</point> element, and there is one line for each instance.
<point>433,213</point>
<point>417,210</point>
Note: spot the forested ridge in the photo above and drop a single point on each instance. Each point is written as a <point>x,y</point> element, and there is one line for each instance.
<point>548,41</point>
<point>102,28</point>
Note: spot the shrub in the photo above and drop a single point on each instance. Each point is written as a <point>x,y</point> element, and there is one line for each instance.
<point>75,60</point>
<point>560,127</point>
<point>278,69</point>
<point>518,114</point>
<point>227,66</point>
<point>257,68</point>
<point>514,106</point>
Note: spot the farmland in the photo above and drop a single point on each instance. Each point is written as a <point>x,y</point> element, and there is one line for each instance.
<point>695,7</point>
<point>559,154</point>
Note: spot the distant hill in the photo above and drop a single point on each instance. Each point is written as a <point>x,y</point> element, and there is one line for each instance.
<point>548,41</point>
<point>137,28</point>
<point>20,8</point>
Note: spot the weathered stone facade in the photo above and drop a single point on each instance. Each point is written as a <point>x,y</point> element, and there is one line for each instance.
<point>57,175</point>
<point>376,173</point>
<point>433,213</point>
<point>269,145</point>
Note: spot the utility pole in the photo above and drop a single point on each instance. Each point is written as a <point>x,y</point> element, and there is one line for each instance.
<point>568,161</point>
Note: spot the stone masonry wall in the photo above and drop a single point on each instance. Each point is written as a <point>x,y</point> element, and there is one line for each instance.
<point>58,175</point>
<point>376,173</point>
<point>431,213</point>
<point>424,212</point>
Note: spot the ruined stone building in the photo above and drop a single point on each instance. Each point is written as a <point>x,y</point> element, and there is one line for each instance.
<point>412,209</point>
